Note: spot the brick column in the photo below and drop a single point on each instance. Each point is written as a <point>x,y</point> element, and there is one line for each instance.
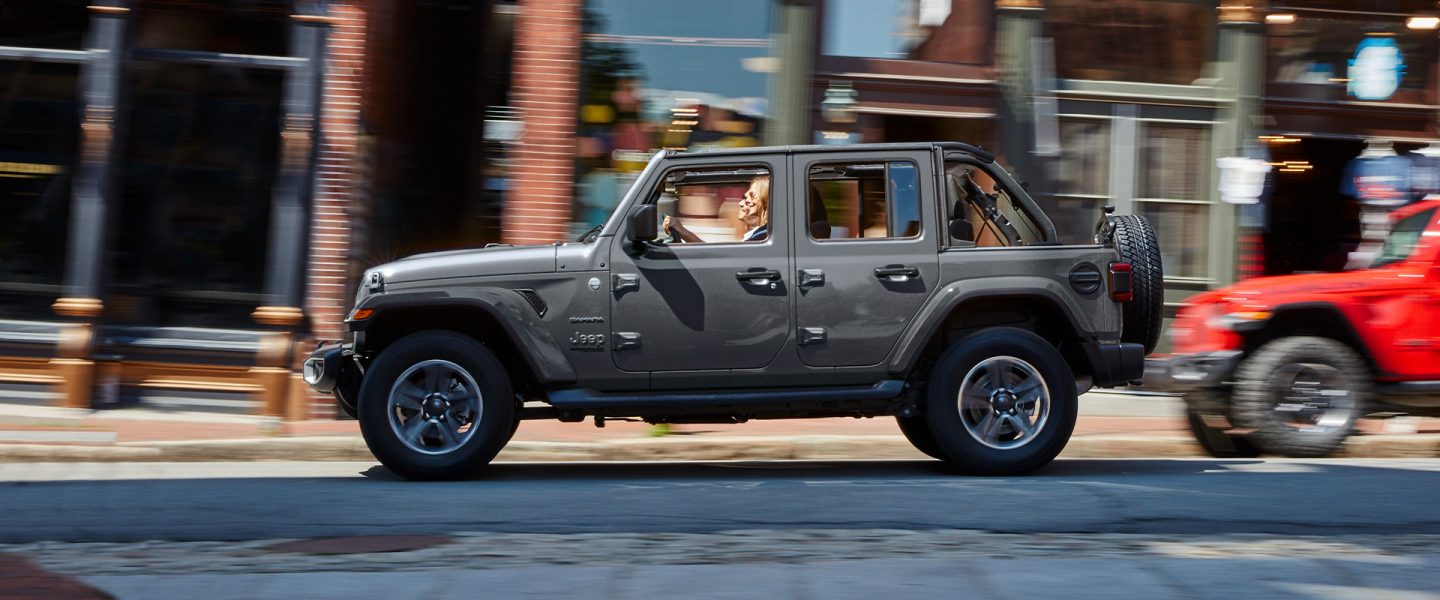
<point>329,290</point>
<point>545,85</point>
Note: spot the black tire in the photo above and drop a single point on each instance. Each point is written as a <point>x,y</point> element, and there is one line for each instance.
<point>458,362</point>
<point>1022,358</point>
<point>1138,245</point>
<point>1301,395</point>
<point>917,430</point>
<point>1204,407</point>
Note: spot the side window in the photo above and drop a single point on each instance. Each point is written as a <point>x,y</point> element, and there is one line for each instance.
<point>714,204</point>
<point>863,200</point>
<point>983,213</point>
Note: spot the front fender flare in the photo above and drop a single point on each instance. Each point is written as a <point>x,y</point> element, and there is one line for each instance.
<point>537,347</point>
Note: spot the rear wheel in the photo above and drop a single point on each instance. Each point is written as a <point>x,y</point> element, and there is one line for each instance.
<point>436,405</point>
<point>1207,412</point>
<point>1301,395</point>
<point>1001,402</point>
<point>1138,245</point>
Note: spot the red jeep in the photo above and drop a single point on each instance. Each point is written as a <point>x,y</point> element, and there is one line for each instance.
<point>1287,365</point>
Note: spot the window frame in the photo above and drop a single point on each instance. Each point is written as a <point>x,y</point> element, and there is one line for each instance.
<point>1204,163</point>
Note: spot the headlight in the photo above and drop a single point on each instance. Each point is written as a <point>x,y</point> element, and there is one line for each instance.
<point>314,370</point>
<point>1241,321</point>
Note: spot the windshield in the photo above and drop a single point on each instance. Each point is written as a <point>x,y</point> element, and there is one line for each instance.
<point>1403,238</point>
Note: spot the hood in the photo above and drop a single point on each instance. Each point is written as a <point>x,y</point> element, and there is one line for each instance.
<point>1270,291</point>
<point>478,262</point>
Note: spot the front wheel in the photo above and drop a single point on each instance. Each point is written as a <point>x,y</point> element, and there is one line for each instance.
<point>1001,402</point>
<point>436,405</point>
<point>1301,395</point>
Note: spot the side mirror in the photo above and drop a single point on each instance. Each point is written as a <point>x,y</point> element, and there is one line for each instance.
<point>643,225</point>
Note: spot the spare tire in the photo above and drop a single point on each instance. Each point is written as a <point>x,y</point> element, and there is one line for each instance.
<point>1138,245</point>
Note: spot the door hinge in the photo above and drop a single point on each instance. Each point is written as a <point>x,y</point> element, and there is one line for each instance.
<point>812,335</point>
<point>625,340</point>
<point>624,281</point>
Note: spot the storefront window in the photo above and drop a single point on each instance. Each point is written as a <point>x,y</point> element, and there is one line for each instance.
<point>1184,231</point>
<point>959,31</point>
<point>1151,41</point>
<point>659,74</point>
<point>195,179</point>
<point>1174,191</point>
<point>249,27</point>
<point>1083,179</point>
<point>1329,56</point>
<point>1174,162</point>
<point>57,24</point>
<point>39,134</point>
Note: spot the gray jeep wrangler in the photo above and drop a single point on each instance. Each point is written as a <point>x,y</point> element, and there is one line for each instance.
<point>915,280</point>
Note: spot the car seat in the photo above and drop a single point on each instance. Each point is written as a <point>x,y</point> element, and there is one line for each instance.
<point>961,228</point>
<point>819,217</point>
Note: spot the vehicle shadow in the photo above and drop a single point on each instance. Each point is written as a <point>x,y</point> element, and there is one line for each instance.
<point>804,469</point>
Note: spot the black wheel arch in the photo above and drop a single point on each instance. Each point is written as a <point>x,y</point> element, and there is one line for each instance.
<point>501,319</point>
<point>1317,319</point>
<point>1035,310</point>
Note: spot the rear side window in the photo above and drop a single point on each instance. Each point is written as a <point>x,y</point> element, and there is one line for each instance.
<point>983,213</point>
<point>863,201</point>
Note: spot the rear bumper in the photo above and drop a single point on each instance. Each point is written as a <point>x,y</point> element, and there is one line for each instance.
<point>1184,372</point>
<point>333,369</point>
<point>1115,363</point>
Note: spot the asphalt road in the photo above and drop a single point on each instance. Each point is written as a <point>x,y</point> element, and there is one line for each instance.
<point>246,501</point>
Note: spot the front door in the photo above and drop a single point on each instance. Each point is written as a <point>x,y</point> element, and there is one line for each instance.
<point>720,301</point>
<point>865,253</point>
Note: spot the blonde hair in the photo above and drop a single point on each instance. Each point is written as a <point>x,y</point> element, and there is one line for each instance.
<point>761,185</point>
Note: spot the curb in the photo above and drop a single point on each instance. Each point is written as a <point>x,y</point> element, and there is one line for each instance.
<point>808,447</point>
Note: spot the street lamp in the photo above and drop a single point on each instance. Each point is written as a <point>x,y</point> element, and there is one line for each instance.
<point>839,103</point>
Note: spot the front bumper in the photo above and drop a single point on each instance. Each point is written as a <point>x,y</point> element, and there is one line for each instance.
<point>1184,372</point>
<point>334,369</point>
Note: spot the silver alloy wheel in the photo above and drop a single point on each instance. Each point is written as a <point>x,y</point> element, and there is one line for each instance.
<point>1004,402</point>
<point>1315,399</point>
<point>434,407</point>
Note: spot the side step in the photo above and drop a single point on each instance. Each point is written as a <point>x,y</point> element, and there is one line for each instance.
<point>592,401</point>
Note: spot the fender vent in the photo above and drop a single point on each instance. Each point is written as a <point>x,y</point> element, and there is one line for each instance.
<point>536,302</point>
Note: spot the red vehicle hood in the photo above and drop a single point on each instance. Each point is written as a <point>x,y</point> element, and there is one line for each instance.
<point>1269,288</point>
<point>1270,291</point>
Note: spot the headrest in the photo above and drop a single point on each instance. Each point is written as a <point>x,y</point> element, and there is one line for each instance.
<point>819,217</point>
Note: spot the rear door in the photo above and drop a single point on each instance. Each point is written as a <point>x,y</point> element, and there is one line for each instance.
<point>865,252</point>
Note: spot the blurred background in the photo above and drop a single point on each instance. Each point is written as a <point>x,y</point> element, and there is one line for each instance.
<point>190,188</point>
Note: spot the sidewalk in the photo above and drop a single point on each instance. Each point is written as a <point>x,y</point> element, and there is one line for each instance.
<point>1111,425</point>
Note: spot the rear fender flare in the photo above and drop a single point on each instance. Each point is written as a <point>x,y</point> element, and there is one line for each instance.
<point>944,302</point>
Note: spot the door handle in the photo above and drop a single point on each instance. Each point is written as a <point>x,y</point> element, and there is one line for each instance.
<point>762,275</point>
<point>897,272</point>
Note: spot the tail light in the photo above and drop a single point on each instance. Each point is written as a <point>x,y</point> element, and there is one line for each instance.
<point>1121,282</point>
